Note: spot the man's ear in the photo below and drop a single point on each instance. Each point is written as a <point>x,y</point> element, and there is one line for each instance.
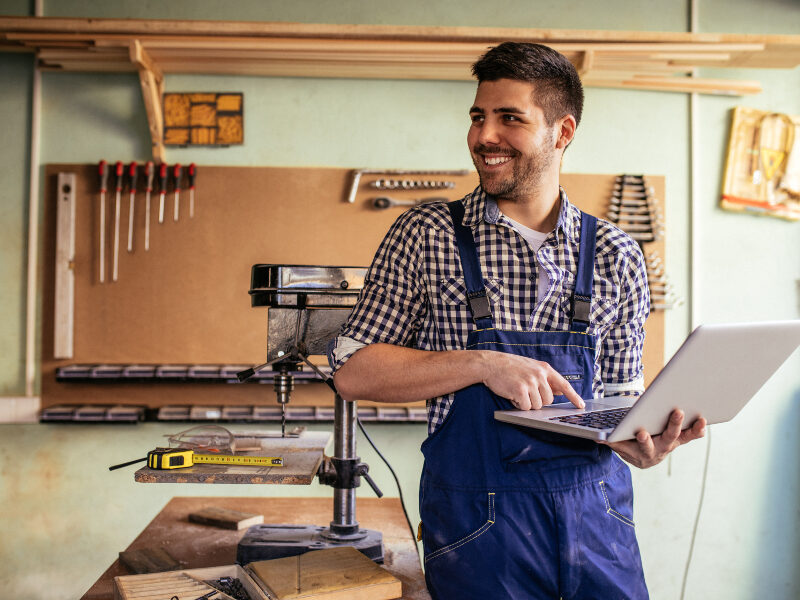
<point>566,131</point>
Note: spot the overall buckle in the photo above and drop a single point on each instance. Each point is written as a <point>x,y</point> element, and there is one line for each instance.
<point>581,308</point>
<point>479,305</point>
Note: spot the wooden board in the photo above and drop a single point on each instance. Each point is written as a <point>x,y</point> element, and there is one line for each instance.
<point>185,301</point>
<point>160,586</point>
<point>225,518</point>
<point>330,574</point>
<point>302,457</point>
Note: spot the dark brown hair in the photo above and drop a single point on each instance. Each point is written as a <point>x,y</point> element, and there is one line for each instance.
<point>558,88</point>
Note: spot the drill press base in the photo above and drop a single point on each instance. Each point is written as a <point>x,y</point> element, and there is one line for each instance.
<point>267,541</point>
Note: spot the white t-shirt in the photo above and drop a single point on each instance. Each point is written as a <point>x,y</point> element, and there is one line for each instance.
<point>535,240</point>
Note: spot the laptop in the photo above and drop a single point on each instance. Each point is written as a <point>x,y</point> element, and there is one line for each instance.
<point>714,373</point>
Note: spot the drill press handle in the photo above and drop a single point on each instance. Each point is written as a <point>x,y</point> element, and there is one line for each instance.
<point>363,469</point>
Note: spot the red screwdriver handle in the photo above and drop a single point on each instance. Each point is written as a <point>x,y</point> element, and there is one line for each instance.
<point>162,178</point>
<point>177,171</point>
<point>132,176</point>
<point>120,169</point>
<point>192,173</point>
<point>102,170</point>
<point>148,173</point>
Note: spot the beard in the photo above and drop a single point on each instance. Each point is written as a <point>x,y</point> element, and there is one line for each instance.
<point>526,173</point>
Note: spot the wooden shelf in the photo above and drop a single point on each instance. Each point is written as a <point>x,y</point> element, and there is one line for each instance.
<point>615,59</point>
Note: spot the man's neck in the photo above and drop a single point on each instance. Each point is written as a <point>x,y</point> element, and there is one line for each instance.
<point>537,209</point>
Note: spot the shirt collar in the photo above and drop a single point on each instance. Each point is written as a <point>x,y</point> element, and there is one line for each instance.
<point>480,205</point>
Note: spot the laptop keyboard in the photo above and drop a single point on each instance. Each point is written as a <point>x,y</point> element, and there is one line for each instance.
<point>597,419</point>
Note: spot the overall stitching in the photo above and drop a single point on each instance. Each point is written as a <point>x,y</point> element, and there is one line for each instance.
<point>611,511</point>
<point>532,331</point>
<point>474,535</point>
<point>529,345</point>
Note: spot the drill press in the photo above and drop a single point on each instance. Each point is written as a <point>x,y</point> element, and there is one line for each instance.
<point>307,307</point>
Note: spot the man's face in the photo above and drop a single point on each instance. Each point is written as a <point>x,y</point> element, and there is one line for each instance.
<point>511,144</point>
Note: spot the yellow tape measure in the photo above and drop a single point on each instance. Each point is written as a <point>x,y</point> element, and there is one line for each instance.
<point>178,458</point>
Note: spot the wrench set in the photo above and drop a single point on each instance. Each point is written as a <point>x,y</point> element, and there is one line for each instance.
<point>633,208</point>
<point>662,293</point>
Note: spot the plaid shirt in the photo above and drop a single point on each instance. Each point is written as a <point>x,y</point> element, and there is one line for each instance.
<point>414,292</point>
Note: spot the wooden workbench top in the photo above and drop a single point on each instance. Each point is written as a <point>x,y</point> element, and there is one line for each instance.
<point>195,545</point>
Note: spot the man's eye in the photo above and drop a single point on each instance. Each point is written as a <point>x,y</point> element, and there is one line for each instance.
<point>510,118</point>
<point>476,118</point>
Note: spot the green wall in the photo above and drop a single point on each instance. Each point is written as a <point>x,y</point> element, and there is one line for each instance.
<point>65,516</point>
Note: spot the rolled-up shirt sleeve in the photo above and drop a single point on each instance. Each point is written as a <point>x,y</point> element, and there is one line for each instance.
<point>390,307</point>
<point>621,348</point>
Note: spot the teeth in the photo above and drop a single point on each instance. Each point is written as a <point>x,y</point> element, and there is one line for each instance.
<point>496,160</point>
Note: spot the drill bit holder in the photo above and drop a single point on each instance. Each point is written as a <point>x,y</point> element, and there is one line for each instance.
<point>307,306</point>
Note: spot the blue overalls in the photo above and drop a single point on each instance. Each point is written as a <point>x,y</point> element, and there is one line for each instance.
<point>509,512</point>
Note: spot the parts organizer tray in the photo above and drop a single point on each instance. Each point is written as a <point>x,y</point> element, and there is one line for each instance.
<point>173,373</point>
<point>105,413</point>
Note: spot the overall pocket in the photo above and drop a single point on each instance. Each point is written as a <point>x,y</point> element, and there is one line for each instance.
<point>617,496</point>
<point>455,521</point>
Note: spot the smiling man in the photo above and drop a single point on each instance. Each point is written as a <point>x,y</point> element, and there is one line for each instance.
<point>512,298</point>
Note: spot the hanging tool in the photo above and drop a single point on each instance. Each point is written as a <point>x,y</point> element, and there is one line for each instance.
<point>118,170</point>
<point>102,170</point>
<point>386,202</point>
<point>179,458</point>
<point>132,176</point>
<point>411,184</point>
<point>192,174</point>
<point>148,174</point>
<point>176,176</point>
<point>162,190</point>
<point>357,173</point>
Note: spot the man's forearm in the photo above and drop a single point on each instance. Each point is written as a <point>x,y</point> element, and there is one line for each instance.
<point>387,373</point>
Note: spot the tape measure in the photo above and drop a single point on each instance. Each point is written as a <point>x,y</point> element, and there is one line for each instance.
<point>178,458</point>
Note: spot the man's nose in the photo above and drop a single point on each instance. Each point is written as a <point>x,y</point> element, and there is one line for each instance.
<point>489,134</point>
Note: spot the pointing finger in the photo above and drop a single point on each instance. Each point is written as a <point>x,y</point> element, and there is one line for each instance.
<point>562,386</point>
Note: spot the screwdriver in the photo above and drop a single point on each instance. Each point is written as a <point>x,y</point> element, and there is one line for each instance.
<point>148,173</point>
<point>102,170</point>
<point>176,173</point>
<point>162,190</point>
<point>119,169</point>
<point>192,173</point>
<point>132,175</point>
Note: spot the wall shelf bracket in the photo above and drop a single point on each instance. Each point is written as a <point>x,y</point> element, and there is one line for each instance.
<point>152,80</point>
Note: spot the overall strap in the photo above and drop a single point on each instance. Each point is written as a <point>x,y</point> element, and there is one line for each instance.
<point>582,295</point>
<point>473,278</point>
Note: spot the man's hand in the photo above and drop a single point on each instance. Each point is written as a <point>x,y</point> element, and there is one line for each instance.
<point>646,451</point>
<point>527,383</point>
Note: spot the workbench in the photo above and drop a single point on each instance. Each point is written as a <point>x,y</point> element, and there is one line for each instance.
<point>195,545</point>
